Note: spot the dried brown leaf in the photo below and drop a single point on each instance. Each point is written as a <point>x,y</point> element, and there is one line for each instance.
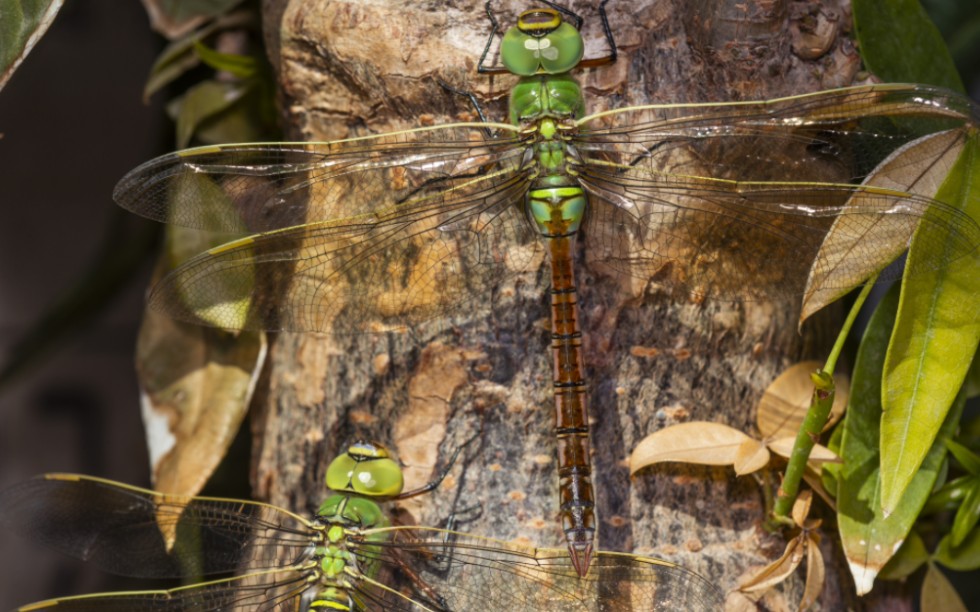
<point>815,573</point>
<point>778,570</point>
<point>836,268</point>
<point>819,455</point>
<point>751,456</point>
<point>784,404</point>
<point>801,507</point>
<point>697,442</point>
<point>938,593</point>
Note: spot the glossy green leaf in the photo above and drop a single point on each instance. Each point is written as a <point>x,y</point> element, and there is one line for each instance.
<point>869,537</point>
<point>22,24</point>
<point>963,558</point>
<point>936,334</point>
<point>203,102</point>
<point>947,497</point>
<point>967,514</point>
<point>175,18</point>
<point>241,66</point>
<point>900,44</point>
<point>967,458</point>
<point>910,557</point>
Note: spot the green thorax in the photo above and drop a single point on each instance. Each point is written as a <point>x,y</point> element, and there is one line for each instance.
<point>360,476</point>
<point>542,49</point>
<point>546,95</point>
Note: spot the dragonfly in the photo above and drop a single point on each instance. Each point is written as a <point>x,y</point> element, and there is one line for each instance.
<point>349,556</point>
<point>806,196</point>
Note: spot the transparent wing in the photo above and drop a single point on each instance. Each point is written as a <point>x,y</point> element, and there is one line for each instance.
<point>779,197</point>
<point>135,532</point>
<point>280,590</point>
<point>398,227</point>
<point>432,257</point>
<point>272,186</point>
<point>452,571</point>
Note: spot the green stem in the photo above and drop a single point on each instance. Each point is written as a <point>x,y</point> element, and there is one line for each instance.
<point>816,418</point>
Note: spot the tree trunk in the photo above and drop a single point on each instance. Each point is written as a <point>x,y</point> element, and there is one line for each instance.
<point>359,67</point>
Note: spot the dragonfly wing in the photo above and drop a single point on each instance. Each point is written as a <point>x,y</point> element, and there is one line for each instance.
<point>460,572</point>
<point>280,590</point>
<point>135,532</point>
<point>257,187</point>
<point>761,240</point>
<point>750,200</point>
<point>434,256</point>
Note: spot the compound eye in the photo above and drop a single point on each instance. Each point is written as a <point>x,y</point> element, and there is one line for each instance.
<point>378,478</point>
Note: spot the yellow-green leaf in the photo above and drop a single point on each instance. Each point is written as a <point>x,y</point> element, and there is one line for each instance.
<point>868,536</point>
<point>936,334</point>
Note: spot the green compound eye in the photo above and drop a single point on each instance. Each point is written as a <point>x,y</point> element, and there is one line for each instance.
<point>541,43</point>
<point>365,469</point>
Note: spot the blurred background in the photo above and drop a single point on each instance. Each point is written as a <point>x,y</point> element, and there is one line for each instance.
<point>72,122</point>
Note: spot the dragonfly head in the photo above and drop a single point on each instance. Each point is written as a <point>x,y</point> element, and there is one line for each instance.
<point>365,469</point>
<point>541,43</point>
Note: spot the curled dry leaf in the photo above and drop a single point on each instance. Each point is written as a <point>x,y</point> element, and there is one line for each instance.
<point>697,442</point>
<point>784,404</point>
<point>801,507</point>
<point>777,571</point>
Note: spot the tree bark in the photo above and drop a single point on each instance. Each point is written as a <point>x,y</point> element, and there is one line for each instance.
<point>359,67</point>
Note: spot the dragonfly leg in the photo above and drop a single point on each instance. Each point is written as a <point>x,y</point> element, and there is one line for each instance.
<point>472,98</point>
<point>613,52</point>
<point>432,484</point>
<point>480,68</point>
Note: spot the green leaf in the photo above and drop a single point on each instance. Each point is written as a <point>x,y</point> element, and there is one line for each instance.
<point>869,537</point>
<point>900,44</point>
<point>179,56</point>
<point>967,458</point>
<point>241,66</point>
<point>967,515</point>
<point>202,102</point>
<point>947,497</point>
<point>936,334</point>
<point>963,558</point>
<point>910,557</point>
<point>22,24</point>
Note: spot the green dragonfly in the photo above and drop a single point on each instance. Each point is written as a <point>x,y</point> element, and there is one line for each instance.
<point>802,196</point>
<point>348,557</point>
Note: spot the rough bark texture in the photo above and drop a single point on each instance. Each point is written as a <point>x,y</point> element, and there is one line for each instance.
<point>358,67</point>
